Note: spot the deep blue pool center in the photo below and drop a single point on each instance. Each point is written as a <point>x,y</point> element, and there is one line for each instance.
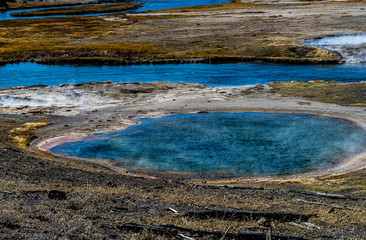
<point>226,144</point>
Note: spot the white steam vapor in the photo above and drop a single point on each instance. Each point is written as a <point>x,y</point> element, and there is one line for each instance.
<point>54,97</point>
<point>351,47</point>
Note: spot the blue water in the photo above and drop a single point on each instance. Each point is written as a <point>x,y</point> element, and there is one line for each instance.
<point>148,5</point>
<point>226,144</point>
<point>209,74</point>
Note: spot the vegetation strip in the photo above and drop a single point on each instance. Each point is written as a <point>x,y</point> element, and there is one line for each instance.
<point>16,5</point>
<point>346,94</point>
<point>91,9</point>
<point>4,6</point>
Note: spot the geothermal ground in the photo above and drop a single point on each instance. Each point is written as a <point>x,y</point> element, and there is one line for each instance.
<point>46,196</point>
<point>95,200</point>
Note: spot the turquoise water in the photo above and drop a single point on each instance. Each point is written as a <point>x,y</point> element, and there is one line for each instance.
<point>220,75</point>
<point>226,144</point>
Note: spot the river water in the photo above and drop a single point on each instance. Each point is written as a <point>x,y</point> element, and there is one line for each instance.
<point>213,75</point>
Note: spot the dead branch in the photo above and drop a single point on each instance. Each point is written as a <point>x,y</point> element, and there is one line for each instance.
<point>321,194</point>
<point>235,187</point>
<point>323,204</point>
<point>248,215</point>
<point>170,230</point>
<point>308,226</point>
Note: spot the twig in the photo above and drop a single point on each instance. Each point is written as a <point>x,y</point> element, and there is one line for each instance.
<point>173,210</point>
<point>184,237</point>
<point>225,233</point>
<point>308,226</point>
<point>311,225</point>
<point>299,225</point>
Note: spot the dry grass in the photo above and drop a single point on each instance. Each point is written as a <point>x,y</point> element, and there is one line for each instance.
<point>236,200</point>
<point>351,94</point>
<point>54,39</point>
<point>121,41</point>
<point>25,134</point>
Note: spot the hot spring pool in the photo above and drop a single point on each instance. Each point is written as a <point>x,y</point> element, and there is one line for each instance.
<point>226,144</point>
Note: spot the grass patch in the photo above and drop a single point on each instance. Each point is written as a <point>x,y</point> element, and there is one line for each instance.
<point>347,94</point>
<point>266,50</point>
<point>91,9</point>
<point>62,40</point>
<point>349,182</point>
<point>335,184</point>
<point>25,134</point>
<point>54,40</point>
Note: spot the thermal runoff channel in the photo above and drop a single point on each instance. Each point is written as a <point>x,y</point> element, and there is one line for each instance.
<point>229,144</point>
<point>351,47</point>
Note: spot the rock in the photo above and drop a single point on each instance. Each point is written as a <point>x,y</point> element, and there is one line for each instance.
<point>57,195</point>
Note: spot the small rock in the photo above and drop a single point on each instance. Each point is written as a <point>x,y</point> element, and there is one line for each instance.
<point>57,195</point>
<point>42,218</point>
<point>111,184</point>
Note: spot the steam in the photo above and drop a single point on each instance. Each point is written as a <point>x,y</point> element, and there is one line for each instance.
<point>9,101</point>
<point>60,96</point>
<point>351,47</point>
